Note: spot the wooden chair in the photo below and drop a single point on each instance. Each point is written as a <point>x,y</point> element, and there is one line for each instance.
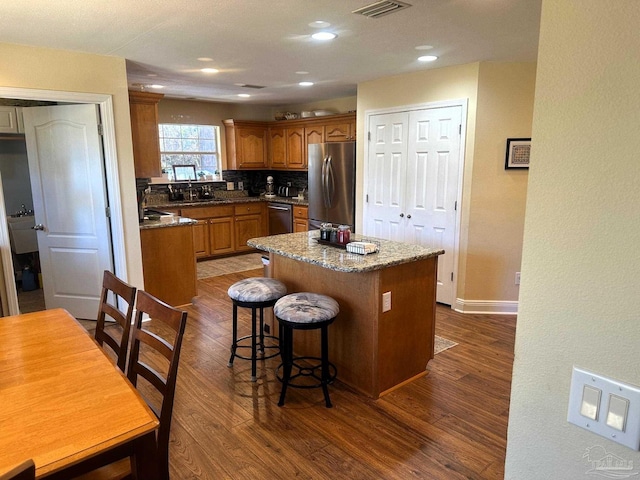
<point>109,307</point>
<point>154,357</point>
<point>172,321</point>
<point>25,471</point>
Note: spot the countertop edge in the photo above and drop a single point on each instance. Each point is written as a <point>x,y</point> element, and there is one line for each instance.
<point>167,222</point>
<point>330,264</point>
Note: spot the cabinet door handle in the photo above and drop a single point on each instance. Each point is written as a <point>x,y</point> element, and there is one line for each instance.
<point>401,215</point>
<point>409,216</point>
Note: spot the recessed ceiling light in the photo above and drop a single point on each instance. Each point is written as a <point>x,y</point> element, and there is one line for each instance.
<point>324,36</point>
<point>302,73</point>
<point>205,59</point>
<point>424,47</point>
<point>156,86</point>
<point>319,24</point>
<point>305,84</point>
<point>427,58</point>
<point>244,95</point>
<point>209,70</point>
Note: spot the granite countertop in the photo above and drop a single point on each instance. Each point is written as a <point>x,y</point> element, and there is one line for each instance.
<point>304,247</point>
<point>229,201</point>
<point>168,221</point>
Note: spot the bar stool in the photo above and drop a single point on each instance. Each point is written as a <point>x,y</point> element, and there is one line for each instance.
<point>254,293</point>
<point>305,311</point>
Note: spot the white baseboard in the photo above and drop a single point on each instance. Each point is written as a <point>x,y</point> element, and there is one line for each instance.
<point>494,307</point>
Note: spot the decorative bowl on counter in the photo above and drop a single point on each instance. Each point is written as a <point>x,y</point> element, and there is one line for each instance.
<point>290,116</point>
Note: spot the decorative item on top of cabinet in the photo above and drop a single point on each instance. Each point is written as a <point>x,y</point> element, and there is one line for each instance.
<point>143,107</point>
<point>246,144</point>
<point>300,219</point>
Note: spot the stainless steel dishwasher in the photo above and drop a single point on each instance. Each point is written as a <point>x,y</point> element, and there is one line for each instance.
<point>280,218</point>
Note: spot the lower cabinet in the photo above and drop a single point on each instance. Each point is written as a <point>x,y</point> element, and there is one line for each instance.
<point>225,229</point>
<point>169,269</point>
<point>300,219</point>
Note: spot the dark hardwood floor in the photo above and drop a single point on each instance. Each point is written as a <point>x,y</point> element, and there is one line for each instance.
<point>450,424</point>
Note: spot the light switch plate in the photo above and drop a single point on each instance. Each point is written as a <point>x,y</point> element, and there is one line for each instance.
<point>609,412</point>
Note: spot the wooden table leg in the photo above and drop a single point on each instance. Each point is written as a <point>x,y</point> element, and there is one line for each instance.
<point>144,462</point>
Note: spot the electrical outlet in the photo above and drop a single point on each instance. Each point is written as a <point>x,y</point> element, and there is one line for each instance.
<point>240,185</point>
<point>386,301</point>
<point>517,278</point>
<point>229,185</point>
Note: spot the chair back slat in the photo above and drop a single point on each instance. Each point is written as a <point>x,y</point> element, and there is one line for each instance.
<point>119,290</point>
<point>165,342</point>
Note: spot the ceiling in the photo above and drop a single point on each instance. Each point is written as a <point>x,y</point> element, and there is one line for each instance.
<point>268,42</point>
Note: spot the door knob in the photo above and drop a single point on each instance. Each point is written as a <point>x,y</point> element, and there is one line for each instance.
<point>409,216</point>
<point>38,227</point>
<point>401,215</point>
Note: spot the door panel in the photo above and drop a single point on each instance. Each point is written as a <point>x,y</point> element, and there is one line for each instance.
<point>69,197</point>
<point>412,182</point>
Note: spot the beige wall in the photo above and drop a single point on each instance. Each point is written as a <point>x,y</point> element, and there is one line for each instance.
<point>59,70</point>
<point>580,264</point>
<point>496,204</point>
<point>500,99</point>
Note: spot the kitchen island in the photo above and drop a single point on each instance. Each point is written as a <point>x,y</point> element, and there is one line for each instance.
<point>375,351</point>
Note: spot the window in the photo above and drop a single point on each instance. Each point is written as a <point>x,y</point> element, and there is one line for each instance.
<point>182,144</point>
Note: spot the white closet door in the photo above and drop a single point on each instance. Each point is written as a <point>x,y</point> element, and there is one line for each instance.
<point>432,187</point>
<point>386,174</point>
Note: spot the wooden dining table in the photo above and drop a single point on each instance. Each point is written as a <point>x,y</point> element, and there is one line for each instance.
<point>63,401</point>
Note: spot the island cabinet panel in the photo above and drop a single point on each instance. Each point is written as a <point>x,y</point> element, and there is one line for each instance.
<point>143,108</point>
<point>169,268</point>
<point>374,352</point>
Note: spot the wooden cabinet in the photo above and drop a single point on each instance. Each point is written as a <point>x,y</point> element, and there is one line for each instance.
<point>282,145</point>
<point>344,131</point>
<point>247,145</point>
<point>300,219</point>
<point>169,268</point>
<point>250,222</point>
<point>11,120</point>
<point>143,107</point>
<point>225,229</point>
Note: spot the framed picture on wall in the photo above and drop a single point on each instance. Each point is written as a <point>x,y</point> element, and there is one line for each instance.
<point>518,153</point>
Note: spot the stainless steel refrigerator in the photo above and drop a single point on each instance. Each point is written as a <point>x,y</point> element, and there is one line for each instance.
<point>332,184</point>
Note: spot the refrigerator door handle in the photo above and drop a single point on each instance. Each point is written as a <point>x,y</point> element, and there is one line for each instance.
<point>323,178</point>
<point>330,183</point>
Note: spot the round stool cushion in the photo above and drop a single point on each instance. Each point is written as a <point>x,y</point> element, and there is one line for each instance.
<point>306,307</point>
<point>257,289</point>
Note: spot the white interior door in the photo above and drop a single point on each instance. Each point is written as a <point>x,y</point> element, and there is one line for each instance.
<point>69,198</point>
<point>413,166</point>
<point>432,187</point>
<point>386,176</point>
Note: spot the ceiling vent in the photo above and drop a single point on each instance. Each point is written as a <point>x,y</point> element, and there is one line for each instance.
<point>246,85</point>
<point>384,7</point>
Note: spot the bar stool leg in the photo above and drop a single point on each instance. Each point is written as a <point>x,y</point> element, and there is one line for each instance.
<point>287,358</point>
<point>325,364</point>
<point>262,330</point>
<point>254,376</point>
<point>234,343</point>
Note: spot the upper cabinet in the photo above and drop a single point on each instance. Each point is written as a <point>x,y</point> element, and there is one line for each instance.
<point>283,145</point>
<point>11,120</point>
<point>247,144</point>
<point>143,108</point>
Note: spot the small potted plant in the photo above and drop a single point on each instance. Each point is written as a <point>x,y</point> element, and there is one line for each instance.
<point>201,176</point>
